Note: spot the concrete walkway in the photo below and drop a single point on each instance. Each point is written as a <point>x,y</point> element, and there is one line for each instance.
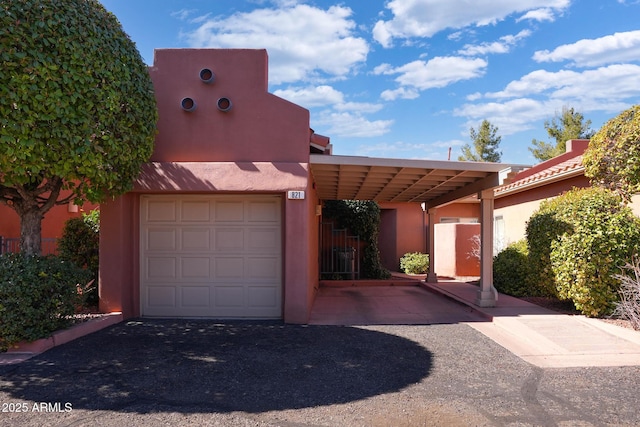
<point>539,336</point>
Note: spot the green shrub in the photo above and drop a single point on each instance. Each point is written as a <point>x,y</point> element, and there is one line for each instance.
<point>590,235</point>
<point>512,274</point>
<point>38,294</point>
<point>80,244</point>
<point>80,241</point>
<point>415,263</point>
<point>543,228</point>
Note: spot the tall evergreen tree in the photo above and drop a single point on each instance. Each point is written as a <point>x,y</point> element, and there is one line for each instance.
<point>570,124</point>
<point>485,144</point>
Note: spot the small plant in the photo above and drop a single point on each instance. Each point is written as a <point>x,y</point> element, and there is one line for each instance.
<point>415,263</point>
<point>628,307</point>
<point>38,295</point>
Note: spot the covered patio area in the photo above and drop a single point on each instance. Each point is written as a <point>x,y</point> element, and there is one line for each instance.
<point>430,183</point>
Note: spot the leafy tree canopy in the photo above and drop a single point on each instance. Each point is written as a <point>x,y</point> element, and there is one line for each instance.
<point>570,124</point>
<point>77,110</point>
<point>613,158</point>
<point>485,144</point>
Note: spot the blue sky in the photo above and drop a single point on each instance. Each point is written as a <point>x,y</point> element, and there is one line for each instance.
<point>408,78</point>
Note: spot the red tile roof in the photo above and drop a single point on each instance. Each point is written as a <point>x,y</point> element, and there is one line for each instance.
<point>564,166</point>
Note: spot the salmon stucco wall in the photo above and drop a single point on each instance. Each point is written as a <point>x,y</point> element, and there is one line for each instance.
<point>259,146</point>
<point>258,127</point>
<point>52,223</point>
<point>458,210</point>
<point>454,244</point>
<point>402,230</point>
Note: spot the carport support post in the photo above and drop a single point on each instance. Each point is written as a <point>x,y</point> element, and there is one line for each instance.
<point>431,275</point>
<point>487,294</point>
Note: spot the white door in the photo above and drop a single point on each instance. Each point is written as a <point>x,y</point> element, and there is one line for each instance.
<point>211,256</point>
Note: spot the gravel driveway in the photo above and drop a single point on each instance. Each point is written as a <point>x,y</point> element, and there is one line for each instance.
<point>202,372</point>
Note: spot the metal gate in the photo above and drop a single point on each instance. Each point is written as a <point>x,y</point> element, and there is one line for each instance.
<point>339,253</point>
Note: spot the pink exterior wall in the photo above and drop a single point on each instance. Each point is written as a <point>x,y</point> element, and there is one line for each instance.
<point>52,223</point>
<point>260,146</point>
<point>458,210</point>
<point>453,247</point>
<point>402,230</point>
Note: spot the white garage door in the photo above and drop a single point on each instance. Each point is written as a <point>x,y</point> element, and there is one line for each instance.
<point>211,256</point>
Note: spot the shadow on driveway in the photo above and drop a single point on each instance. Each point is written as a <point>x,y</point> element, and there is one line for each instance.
<point>205,365</point>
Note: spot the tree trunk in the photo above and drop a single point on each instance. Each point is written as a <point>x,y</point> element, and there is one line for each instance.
<point>31,232</point>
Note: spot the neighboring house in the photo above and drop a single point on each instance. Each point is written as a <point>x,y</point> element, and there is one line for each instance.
<point>225,219</point>
<point>518,200</point>
<point>52,226</point>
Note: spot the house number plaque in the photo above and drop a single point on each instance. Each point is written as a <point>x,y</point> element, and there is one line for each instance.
<point>295,195</point>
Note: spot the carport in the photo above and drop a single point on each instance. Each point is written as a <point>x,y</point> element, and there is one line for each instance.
<point>432,183</point>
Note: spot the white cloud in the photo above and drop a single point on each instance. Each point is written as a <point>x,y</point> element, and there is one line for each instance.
<point>616,48</point>
<point>303,42</point>
<point>424,18</point>
<point>345,124</point>
<point>544,14</point>
<point>538,94</point>
<point>359,107</point>
<point>400,93</point>
<point>601,85</point>
<point>311,96</point>
<point>436,73</point>
<point>183,14</point>
<point>504,45</point>
<point>419,151</point>
<point>510,117</point>
<point>325,96</point>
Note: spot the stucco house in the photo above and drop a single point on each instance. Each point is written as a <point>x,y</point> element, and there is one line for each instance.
<point>224,220</point>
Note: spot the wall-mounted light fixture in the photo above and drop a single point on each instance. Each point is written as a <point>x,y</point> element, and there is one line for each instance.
<point>72,207</point>
<point>224,104</point>
<point>188,104</point>
<point>207,76</point>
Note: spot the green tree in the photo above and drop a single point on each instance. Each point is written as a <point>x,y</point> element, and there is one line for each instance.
<point>77,109</point>
<point>570,124</point>
<point>613,158</point>
<point>485,144</point>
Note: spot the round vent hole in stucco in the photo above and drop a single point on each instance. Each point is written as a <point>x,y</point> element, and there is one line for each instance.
<point>207,76</point>
<point>224,104</point>
<point>188,104</point>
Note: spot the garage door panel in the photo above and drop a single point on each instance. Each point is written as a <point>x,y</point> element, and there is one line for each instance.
<point>211,256</point>
<point>229,296</point>
<point>261,212</point>
<point>195,211</point>
<point>229,268</point>
<point>195,267</point>
<point>161,268</point>
<point>161,296</point>
<point>267,269</point>
<point>161,211</point>
<point>263,239</point>
<point>230,211</point>
<point>263,297</point>
<point>229,239</point>
<point>161,239</point>
<point>196,239</point>
<point>195,296</point>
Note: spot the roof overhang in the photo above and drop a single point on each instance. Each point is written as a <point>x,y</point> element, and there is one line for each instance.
<point>432,182</point>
